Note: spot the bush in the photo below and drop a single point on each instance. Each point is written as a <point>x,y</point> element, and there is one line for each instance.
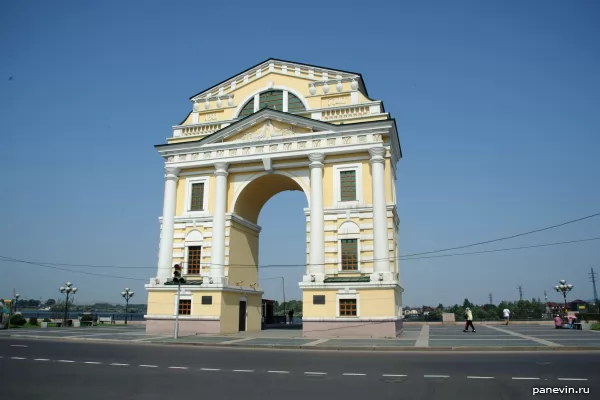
<point>87,318</point>
<point>33,321</point>
<point>596,327</point>
<point>18,320</point>
<point>47,320</point>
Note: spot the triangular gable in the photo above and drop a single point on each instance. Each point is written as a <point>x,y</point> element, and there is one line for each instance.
<point>268,124</point>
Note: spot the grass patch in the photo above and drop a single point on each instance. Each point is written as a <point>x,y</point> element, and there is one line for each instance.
<point>596,326</point>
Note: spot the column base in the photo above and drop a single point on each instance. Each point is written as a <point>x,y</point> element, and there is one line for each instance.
<point>382,277</point>
<point>361,328</point>
<point>313,278</point>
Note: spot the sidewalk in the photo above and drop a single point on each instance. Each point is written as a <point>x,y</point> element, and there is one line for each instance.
<point>414,338</point>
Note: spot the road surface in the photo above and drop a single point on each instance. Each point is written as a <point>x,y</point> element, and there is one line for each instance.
<point>41,369</point>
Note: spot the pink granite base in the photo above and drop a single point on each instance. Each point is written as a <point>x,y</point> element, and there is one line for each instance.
<point>186,328</point>
<point>371,329</point>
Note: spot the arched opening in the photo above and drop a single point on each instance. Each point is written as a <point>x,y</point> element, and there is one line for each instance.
<point>276,203</point>
<point>280,100</point>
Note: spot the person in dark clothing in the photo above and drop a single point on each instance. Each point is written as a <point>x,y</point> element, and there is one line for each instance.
<point>291,315</point>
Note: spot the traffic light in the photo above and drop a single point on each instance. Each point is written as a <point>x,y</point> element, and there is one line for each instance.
<point>177,275</point>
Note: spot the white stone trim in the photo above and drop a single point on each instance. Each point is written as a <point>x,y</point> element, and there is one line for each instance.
<point>352,296</point>
<point>353,319</point>
<point>189,181</point>
<point>183,317</point>
<point>337,169</point>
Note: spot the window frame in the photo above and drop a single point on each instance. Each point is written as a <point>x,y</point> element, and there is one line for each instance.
<point>347,296</point>
<point>187,259</point>
<point>340,255</point>
<point>337,184</point>
<point>183,297</point>
<point>355,235</point>
<point>188,195</point>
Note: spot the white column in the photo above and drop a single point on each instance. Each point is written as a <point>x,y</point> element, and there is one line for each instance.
<point>381,253</point>
<point>317,219</point>
<point>165,254</point>
<point>217,266</point>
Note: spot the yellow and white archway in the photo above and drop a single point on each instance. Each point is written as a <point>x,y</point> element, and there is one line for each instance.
<point>281,126</point>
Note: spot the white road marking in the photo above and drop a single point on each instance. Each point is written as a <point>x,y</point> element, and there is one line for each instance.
<point>92,362</point>
<point>210,369</point>
<point>352,374</point>
<point>148,366</point>
<point>480,377</point>
<point>243,370</point>
<point>41,359</point>
<point>436,376</point>
<point>178,367</point>
<point>279,372</point>
<point>119,364</point>
<point>18,345</point>
<point>66,361</point>
<point>18,358</point>
<point>572,379</point>
<point>316,373</point>
<point>524,378</point>
<point>394,375</point>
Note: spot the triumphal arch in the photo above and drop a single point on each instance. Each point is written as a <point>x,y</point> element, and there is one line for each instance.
<point>280,126</point>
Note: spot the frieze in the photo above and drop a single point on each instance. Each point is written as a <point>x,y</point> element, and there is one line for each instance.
<point>302,145</point>
<point>287,146</point>
<point>331,142</point>
<point>347,139</point>
<point>220,153</point>
<point>273,147</point>
<point>362,139</point>
<point>233,152</point>
<point>316,143</point>
<point>246,150</point>
<point>207,155</point>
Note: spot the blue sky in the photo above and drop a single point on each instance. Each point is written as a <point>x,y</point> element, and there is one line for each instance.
<point>496,105</point>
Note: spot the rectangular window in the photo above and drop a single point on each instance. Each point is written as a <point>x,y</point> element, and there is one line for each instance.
<point>197,200</point>
<point>348,185</point>
<point>348,308</point>
<point>206,299</point>
<point>185,307</point>
<point>318,299</point>
<point>194,253</point>
<point>349,254</point>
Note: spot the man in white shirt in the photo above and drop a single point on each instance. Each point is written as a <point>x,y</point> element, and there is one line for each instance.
<point>506,313</point>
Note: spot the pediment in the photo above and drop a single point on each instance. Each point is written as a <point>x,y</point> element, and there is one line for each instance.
<point>268,129</point>
<point>267,125</point>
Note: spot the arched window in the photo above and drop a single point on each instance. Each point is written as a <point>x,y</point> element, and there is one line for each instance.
<point>273,99</point>
<point>247,109</point>
<point>294,104</point>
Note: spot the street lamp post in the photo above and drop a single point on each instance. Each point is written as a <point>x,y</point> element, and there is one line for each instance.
<point>68,289</point>
<point>127,294</point>
<point>564,288</point>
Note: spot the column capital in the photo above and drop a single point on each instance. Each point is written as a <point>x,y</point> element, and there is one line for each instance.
<point>172,173</point>
<point>221,169</point>
<point>316,160</point>
<point>377,154</point>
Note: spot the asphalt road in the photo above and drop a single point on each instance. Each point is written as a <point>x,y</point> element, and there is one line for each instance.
<point>40,369</point>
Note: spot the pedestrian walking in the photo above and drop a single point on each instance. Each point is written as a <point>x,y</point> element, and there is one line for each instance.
<point>506,313</point>
<point>469,318</point>
<point>291,315</point>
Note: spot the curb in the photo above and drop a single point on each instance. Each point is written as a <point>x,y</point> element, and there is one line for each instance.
<point>390,349</point>
<point>395,349</point>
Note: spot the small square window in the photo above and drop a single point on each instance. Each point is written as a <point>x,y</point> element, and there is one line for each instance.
<point>318,299</point>
<point>206,299</point>
<point>348,308</point>
<point>348,185</point>
<point>185,307</point>
<point>197,199</point>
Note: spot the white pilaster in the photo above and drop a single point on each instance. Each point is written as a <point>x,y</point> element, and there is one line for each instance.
<point>381,253</point>
<point>217,266</point>
<point>165,254</point>
<point>317,219</point>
